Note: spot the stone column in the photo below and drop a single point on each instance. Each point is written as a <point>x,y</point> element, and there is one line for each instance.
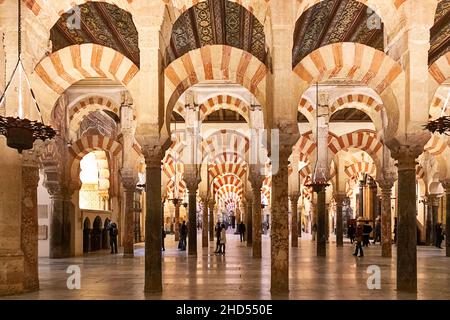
<point>428,221</point>
<point>294,220</point>
<point>386,227</point>
<point>321,223</point>
<point>60,221</point>
<point>374,198</point>
<point>280,224</point>
<point>434,208</point>
<point>313,217</point>
<point>407,232</point>
<point>128,235</point>
<point>29,223</point>
<point>249,216</point>
<point>340,198</point>
<point>177,203</point>
<point>192,229</point>
<point>256,180</point>
<point>361,200</point>
<point>153,220</point>
<point>205,224</point>
<point>446,185</point>
<point>11,256</point>
<point>211,204</point>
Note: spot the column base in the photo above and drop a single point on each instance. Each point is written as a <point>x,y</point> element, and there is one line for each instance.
<point>11,281</point>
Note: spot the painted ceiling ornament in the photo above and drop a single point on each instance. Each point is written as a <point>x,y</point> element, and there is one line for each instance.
<point>20,132</point>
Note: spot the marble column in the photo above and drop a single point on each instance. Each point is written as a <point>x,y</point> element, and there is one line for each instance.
<point>256,221</point>
<point>313,217</point>
<point>407,230</point>
<point>294,220</point>
<point>446,185</point>
<point>205,226</point>
<point>11,256</point>
<point>249,227</point>
<point>192,229</point>
<point>60,221</point>
<point>153,220</point>
<point>29,224</point>
<point>428,221</point>
<point>321,222</point>
<point>177,204</point>
<point>128,235</point>
<point>340,198</point>
<point>434,206</point>
<point>374,198</point>
<point>280,225</point>
<point>211,204</point>
<point>386,224</point>
<point>361,200</point>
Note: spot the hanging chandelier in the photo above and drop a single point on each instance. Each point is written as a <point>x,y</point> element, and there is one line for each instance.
<point>440,125</point>
<point>318,181</point>
<point>20,132</point>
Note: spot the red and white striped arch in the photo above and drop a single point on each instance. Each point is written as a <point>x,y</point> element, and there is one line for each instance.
<point>215,62</point>
<point>356,168</point>
<point>171,189</point>
<point>227,179</point>
<point>351,61</point>
<point>365,140</point>
<point>306,108</point>
<point>172,168</point>
<point>266,189</point>
<point>88,144</point>
<point>58,71</point>
<point>439,72</point>
<point>420,172</point>
<point>370,102</point>
<point>221,168</point>
<point>224,102</point>
<point>225,142</point>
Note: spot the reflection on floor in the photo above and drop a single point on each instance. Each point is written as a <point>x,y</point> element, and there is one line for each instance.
<point>238,276</point>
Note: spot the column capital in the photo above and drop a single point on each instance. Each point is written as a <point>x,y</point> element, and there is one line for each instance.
<point>31,158</point>
<point>128,179</point>
<point>433,200</point>
<point>386,185</point>
<point>339,198</point>
<point>256,180</point>
<point>153,155</point>
<point>446,186</point>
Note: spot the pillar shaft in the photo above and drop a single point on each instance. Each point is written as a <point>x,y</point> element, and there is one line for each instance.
<point>29,227</point>
<point>321,224</point>
<point>361,200</point>
<point>205,225</point>
<point>280,226</point>
<point>294,220</point>
<point>386,227</point>
<point>428,222</point>
<point>407,235</point>
<point>339,220</point>
<point>192,229</point>
<point>60,225</point>
<point>211,221</point>
<point>153,222</point>
<point>447,218</point>
<point>256,223</point>
<point>177,221</point>
<point>128,239</point>
<point>249,223</point>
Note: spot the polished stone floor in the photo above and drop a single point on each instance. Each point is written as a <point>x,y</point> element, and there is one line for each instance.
<point>238,276</point>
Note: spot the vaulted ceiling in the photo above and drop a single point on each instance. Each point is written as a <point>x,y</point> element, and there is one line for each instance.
<point>215,22</point>
<point>332,21</point>
<point>100,23</point>
<point>440,32</point>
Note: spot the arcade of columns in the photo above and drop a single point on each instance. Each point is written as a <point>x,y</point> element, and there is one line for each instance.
<point>366,165</point>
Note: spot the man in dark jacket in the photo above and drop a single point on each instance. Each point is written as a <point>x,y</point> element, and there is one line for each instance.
<point>113,232</point>
<point>218,230</point>
<point>359,239</point>
<point>183,236</point>
<point>242,229</point>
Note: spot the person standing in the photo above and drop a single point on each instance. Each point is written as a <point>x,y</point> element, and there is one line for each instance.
<point>242,230</point>
<point>351,233</point>
<point>223,239</point>
<point>163,236</point>
<point>359,240</point>
<point>218,230</point>
<point>439,235</point>
<point>183,236</point>
<point>113,233</point>
<point>377,232</point>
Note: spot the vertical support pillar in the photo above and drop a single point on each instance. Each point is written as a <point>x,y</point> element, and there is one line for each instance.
<point>128,240</point>
<point>249,214</point>
<point>386,225</point>
<point>205,225</point>
<point>211,204</point>
<point>446,185</point>
<point>294,220</point>
<point>340,198</point>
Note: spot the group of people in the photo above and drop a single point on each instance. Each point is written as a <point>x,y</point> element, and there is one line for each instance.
<point>360,235</point>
